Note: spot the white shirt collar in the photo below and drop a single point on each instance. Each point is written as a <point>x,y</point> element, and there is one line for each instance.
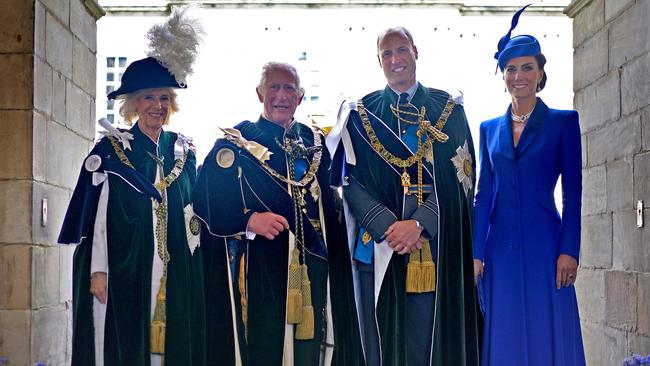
<point>410,91</point>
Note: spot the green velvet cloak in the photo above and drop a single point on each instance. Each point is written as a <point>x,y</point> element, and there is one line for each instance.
<point>221,195</point>
<point>130,252</point>
<point>455,325</point>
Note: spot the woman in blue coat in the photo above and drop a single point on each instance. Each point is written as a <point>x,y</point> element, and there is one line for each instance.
<point>525,254</point>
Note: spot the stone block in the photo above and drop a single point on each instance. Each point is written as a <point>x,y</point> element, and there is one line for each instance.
<point>16,144</point>
<point>39,137</point>
<point>15,277</point>
<point>599,102</point>
<point>629,251</point>
<point>638,344</point>
<point>589,21</point>
<point>15,211</point>
<point>58,46</point>
<point>16,70</point>
<point>628,34</point>
<point>14,336</point>
<point>594,190</point>
<point>42,86</point>
<point>83,25</point>
<point>47,322</point>
<point>625,137</point>
<point>604,346</point>
<point>45,276</point>
<point>17,26</point>
<point>620,300</point>
<point>59,113</point>
<point>592,56</point>
<point>39,29</point>
<point>614,8</point>
<point>60,9</point>
<point>598,146</point>
<point>585,147</point>
<point>65,273</point>
<point>68,336</point>
<point>596,241</point>
<point>78,104</point>
<point>620,184</point>
<point>642,177</point>
<point>590,291</point>
<point>635,84</point>
<point>644,308</point>
<point>645,129</point>
<point>57,201</point>
<point>63,142</point>
<point>92,123</point>
<point>84,67</point>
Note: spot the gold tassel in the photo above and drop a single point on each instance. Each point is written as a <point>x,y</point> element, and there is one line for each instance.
<point>242,295</point>
<point>421,271</point>
<point>305,329</point>
<point>414,273</point>
<point>294,297</point>
<point>428,269</point>
<point>159,319</point>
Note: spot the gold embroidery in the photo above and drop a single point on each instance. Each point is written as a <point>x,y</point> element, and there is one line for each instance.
<point>311,172</point>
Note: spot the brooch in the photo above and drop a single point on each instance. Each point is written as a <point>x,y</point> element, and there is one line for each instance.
<point>464,170</point>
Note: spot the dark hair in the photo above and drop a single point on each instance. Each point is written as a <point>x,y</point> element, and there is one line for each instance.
<point>541,61</point>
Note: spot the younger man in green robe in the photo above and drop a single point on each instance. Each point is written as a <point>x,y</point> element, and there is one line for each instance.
<point>404,157</point>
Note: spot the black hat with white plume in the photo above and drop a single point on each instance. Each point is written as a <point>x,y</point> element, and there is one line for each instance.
<point>173,47</point>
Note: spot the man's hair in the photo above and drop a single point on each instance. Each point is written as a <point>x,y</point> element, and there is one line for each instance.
<point>273,66</point>
<point>401,30</point>
<point>130,101</point>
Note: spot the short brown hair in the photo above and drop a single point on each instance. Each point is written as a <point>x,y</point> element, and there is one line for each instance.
<point>402,30</point>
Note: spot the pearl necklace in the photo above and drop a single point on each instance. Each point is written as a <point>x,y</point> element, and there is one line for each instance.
<point>521,118</point>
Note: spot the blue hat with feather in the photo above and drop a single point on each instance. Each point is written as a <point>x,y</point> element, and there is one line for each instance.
<point>523,45</point>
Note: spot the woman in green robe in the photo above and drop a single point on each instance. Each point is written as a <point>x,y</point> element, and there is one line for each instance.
<point>138,276</point>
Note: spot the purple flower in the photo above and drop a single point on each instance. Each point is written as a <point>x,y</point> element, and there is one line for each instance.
<point>636,360</point>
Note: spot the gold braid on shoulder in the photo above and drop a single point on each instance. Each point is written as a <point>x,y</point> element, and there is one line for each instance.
<point>313,166</point>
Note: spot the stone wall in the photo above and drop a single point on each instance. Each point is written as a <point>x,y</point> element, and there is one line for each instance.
<point>47,99</point>
<point>612,93</point>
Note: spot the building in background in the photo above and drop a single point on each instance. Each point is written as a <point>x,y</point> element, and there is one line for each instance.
<point>612,94</point>
<point>332,43</point>
<point>59,71</point>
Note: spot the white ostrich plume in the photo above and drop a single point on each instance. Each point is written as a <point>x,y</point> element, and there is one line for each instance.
<point>175,43</point>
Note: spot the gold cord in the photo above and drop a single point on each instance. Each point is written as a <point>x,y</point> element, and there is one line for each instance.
<point>311,172</point>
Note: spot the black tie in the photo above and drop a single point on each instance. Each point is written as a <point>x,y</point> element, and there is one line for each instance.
<point>403,98</point>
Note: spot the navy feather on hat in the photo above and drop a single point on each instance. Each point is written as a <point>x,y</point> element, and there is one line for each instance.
<point>523,45</point>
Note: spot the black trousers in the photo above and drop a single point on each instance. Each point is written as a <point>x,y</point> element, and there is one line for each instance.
<point>419,321</point>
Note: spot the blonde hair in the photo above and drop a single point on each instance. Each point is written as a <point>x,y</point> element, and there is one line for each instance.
<point>129,101</point>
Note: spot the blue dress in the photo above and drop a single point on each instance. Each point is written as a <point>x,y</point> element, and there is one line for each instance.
<point>519,234</point>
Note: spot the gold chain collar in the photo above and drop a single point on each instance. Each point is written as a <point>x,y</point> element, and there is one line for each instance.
<point>425,129</point>
<point>313,166</point>
<point>163,183</point>
<point>420,116</point>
